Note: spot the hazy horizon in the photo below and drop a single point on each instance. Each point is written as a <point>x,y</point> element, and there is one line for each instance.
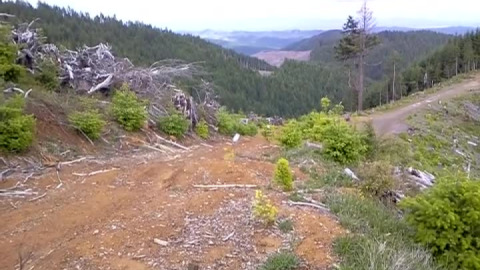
<point>269,15</point>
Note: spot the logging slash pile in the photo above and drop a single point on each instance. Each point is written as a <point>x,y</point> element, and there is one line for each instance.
<point>92,69</point>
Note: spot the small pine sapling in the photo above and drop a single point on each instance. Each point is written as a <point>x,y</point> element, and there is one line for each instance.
<point>283,175</point>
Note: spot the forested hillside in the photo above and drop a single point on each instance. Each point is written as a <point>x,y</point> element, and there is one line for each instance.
<point>461,54</point>
<point>294,89</point>
<point>406,46</point>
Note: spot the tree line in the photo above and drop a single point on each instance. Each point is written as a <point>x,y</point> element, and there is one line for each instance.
<point>292,90</point>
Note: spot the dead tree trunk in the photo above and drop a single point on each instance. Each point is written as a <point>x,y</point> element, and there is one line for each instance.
<point>393,83</point>
<point>360,82</point>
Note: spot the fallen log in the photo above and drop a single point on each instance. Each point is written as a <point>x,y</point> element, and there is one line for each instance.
<point>38,197</point>
<point>309,205</point>
<point>71,162</point>
<point>154,148</point>
<point>105,84</point>
<point>172,143</point>
<point>96,172</point>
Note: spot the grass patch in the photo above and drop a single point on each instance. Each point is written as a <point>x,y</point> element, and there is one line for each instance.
<point>333,178</point>
<point>380,239</point>
<point>285,225</point>
<point>281,261</point>
<point>296,197</point>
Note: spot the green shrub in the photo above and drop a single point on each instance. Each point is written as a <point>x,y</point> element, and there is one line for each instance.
<point>446,219</point>
<point>226,122</point>
<point>9,71</point>
<point>291,136</point>
<point>229,124</point>
<point>283,175</point>
<point>89,122</point>
<point>325,104</point>
<point>249,129</point>
<point>16,129</point>
<point>369,140</point>
<point>281,261</point>
<point>263,209</point>
<point>337,109</point>
<point>127,109</point>
<point>175,124</point>
<point>376,178</point>
<point>48,75</point>
<point>267,132</point>
<point>202,130</point>
<point>341,142</point>
<point>285,225</point>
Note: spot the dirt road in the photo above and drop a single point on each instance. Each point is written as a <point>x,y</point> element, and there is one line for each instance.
<point>393,122</point>
<point>111,220</point>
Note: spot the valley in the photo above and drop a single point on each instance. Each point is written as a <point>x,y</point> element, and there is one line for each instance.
<point>127,144</point>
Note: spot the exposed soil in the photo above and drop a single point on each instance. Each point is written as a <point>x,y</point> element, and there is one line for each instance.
<point>110,220</point>
<point>393,122</point>
<point>276,58</point>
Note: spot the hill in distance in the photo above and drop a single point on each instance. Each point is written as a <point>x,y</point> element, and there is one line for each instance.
<point>252,42</point>
<point>291,90</point>
<point>249,43</point>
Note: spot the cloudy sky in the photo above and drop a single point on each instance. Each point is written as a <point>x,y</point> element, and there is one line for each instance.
<point>195,15</point>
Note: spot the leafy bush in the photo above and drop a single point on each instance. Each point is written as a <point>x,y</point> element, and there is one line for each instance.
<point>376,178</point>
<point>283,175</point>
<point>263,209</point>
<point>249,129</point>
<point>175,124</point>
<point>325,104</point>
<point>341,142</point>
<point>9,71</point>
<point>285,225</point>
<point>291,136</point>
<point>229,124</point>
<point>267,132</point>
<point>202,130</point>
<point>48,75</point>
<point>370,140</point>
<point>337,109</point>
<point>226,122</point>
<point>16,129</point>
<point>446,219</point>
<point>89,122</point>
<point>281,261</point>
<point>127,109</point>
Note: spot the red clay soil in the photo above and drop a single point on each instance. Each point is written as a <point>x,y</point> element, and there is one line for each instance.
<point>110,220</point>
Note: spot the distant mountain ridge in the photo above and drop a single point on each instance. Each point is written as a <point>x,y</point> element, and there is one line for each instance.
<point>249,43</point>
<point>252,42</point>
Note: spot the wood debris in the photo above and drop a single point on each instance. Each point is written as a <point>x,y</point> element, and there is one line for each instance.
<point>317,206</point>
<point>96,172</point>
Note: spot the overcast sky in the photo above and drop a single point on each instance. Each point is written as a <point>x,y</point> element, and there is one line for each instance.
<point>194,15</point>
